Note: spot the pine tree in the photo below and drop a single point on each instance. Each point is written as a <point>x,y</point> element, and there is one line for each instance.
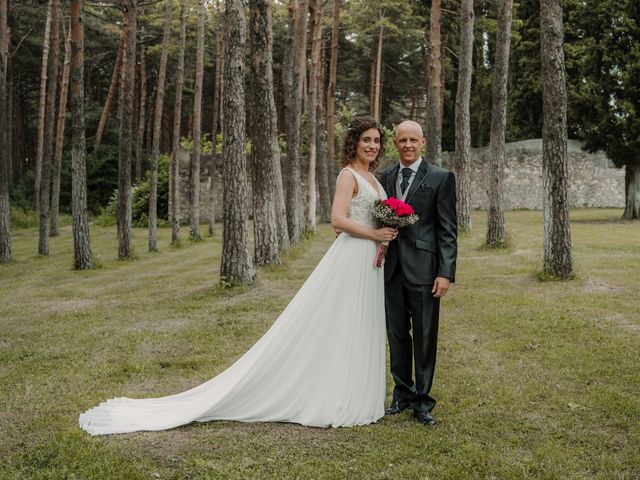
<point>155,150</point>
<point>496,228</point>
<point>555,172</point>
<point>129,8</point>
<point>60,124</point>
<point>463,121</point>
<point>83,258</point>
<point>294,61</point>
<point>265,150</point>
<point>194,216</point>
<point>236,265</point>
<point>5,230</point>
<point>174,164</point>
<point>44,188</point>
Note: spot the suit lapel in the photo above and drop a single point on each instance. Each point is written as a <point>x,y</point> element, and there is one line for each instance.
<point>391,182</point>
<point>423,173</point>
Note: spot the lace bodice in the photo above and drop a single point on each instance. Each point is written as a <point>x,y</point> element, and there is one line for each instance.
<point>361,204</point>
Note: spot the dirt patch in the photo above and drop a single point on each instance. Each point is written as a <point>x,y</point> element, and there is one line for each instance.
<point>621,321</point>
<point>594,285</point>
<point>602,221</point>
<point>61,307</point>
<point>524,253</point>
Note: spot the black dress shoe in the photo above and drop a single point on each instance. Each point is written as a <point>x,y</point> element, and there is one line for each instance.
<point>395,408</point>
<point>425,418</point>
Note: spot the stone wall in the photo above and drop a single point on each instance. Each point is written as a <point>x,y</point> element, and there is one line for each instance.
<point>185,187</point>
<point>593,180</point>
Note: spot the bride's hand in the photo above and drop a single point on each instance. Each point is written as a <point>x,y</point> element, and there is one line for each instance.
<point>385,234</point>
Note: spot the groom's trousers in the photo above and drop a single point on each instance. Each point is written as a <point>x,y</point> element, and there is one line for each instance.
<point>412,329</point>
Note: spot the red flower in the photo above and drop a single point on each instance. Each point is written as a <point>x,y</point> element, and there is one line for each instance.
<point>402,209</point>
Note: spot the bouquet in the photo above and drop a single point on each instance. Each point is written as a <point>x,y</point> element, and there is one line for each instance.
<point>391,213</point>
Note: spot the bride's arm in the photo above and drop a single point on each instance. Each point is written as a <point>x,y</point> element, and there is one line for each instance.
<point>345,190</point>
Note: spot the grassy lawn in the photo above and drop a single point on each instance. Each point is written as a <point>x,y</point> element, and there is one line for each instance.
<point>534,379</point>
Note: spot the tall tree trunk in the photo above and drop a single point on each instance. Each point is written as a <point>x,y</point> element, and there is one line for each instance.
<point>129,8</point>
<point>194,233</point>
<point>377,84</point>
<point>5,161</point>
<point>632,192</point>
<point>372,84</point>
<point>555,173</point>
<point>83,259</point>
<point>218,155</point>
<point>174,167</point>
<point>47,152</point>
<point>15,127</point>
<point>434,82</point>
<point>236,265</point>
<point>265,151</point>
<point>142,112</point>
<point>42,105</point>
<point>324,190</point>
<point>11,170</point>
<point>463,119</point>
<point>331,92</point>
<point>157,124</point>
<point>211,220</point>
<point>316,8</point>
<point>295,52</point>
<point>496,228</point>
<point>149,121</point>
<point>62,111</point>
<point>115,77</point>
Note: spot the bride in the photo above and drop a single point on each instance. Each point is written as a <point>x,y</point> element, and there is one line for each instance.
<point>322,362</point>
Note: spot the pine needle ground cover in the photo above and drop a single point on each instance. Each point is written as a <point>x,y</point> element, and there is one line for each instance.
<point>534,379</point>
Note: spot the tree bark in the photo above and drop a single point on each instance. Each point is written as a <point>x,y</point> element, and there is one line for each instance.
<point>47,151</point>
<point>83,258</point>
<point>215,121</point>
<point>42,105</point>
<point>377,84</point>
<point>632,192</point>
<point>157,124</point>
<point>115,77</point>
<point>324,190</point>
<point>331,91</point>
<point>295,54</point>
<point>12,171</point>
<point>496,228</point>
<point>265,151</point>
<point>5,160</point>
<point>174,173</point>
<point>316,8</point>
<point>62,110</point>
<point>194,216</point>
<point>236,265</point>
<point>142,112</point>
<point>462,116</point>
<point>434,82</point>
<point>129,8</point>
<point>555,174</point>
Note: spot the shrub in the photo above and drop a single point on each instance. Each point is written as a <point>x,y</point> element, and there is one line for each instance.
<point>23,217</point>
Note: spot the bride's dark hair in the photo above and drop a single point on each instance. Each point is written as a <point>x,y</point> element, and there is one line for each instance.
<point>350,141</point>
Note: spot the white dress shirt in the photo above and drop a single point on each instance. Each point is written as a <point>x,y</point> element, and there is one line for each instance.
<point>414,167</point>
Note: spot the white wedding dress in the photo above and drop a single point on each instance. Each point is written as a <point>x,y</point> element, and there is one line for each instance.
<point>322,363</point>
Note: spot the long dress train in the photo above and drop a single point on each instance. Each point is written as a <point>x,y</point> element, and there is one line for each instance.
<point>322,363</point>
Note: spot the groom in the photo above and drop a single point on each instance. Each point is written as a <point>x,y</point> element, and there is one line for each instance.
<point>420,264</point>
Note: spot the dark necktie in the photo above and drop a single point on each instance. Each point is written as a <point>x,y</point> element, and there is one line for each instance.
<point>406,175</point>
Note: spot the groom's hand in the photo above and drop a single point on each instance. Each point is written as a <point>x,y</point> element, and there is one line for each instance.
<point>440,287</point>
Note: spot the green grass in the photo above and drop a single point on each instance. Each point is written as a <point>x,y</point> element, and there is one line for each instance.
<point>534,379</point>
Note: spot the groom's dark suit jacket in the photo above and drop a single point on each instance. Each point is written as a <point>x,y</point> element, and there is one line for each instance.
<point>428,248</point>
